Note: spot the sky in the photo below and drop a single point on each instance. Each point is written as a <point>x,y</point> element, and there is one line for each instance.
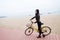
<point>17,8</point>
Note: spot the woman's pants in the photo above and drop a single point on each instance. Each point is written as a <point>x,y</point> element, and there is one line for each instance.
<point>39,27</point>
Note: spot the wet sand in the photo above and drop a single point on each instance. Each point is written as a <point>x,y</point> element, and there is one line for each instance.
<point>14,34</point>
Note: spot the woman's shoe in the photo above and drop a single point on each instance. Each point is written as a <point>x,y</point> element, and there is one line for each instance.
<point>43,35</point>
<point>39,36</point>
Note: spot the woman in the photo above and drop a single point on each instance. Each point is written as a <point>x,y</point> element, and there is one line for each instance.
<point>37,16</point>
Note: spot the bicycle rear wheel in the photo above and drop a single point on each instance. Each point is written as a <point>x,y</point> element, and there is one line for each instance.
<point>29,31</point>
<point>47,30</point>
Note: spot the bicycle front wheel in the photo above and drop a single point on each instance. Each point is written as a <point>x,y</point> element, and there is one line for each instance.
<point>29,31</point>
<point>46,30</point>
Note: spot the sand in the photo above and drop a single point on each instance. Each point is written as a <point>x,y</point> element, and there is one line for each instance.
<point>53,21</point>
<point>15,34</point>
<point>13,28</point>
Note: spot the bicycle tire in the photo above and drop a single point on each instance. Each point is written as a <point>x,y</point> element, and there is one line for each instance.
<point>47,30</point>
<point>30,31</point>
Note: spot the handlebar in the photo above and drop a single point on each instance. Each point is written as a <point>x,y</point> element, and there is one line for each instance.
<point>34,22</point>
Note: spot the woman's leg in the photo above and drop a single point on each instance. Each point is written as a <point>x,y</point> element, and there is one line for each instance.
<point>39,28</point>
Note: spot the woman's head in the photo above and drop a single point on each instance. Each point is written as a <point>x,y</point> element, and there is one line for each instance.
<point>37,11</point>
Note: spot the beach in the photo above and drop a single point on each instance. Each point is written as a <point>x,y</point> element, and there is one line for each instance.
<point>14,28</point>
<point>53,21</point>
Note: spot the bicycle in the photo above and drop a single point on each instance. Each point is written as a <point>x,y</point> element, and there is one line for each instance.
<point>45,29</point>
